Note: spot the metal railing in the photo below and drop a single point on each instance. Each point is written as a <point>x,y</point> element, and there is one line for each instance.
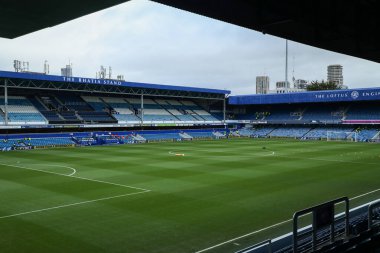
<point>324,209</point>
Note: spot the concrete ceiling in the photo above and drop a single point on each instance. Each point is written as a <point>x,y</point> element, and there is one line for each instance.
<point>19,17</point>
<point>348,27</point>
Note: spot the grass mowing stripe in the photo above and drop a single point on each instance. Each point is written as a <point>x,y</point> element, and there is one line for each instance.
<point>83,178</point>
<point>72,204</point>
<point>76,203</point>
<point>197,200</point>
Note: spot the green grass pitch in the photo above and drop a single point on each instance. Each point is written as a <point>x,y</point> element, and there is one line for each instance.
<point>143,198</point>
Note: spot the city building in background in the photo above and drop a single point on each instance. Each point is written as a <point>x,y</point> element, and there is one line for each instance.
<point>285,90</point>
<point>282,85</point>
<point>67,71</point>
<point>335,74</point>
<point>301,84</point>
<point>262,84</point>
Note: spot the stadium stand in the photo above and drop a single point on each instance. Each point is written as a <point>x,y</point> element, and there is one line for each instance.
<point>121,110</point>
<point>219,135</point>
<point>363,111</point>
<point>287,113</point>
<point>304,119</point>
<point>95,102</point>
<point>72,102</point>
<point>368,134</point>
<point>293,132</point>
<point>21,141</point>
<point>247,132</point>
<point>21,111</point>
<point>29,143</point>
<point>161,137</point>
<point>321,132</point>
<point>325,114</point>
<point>263,131</point>
<point>172,107</point>
<point>202,135</point>
<point>64,107</point>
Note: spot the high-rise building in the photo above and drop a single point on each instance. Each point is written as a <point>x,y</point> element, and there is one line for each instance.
<point>67,71</point>
<point>335,74</point>
<point>262,84</point>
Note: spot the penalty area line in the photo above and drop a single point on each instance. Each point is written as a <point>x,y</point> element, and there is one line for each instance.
<point>72,176</point>
<point>59,166</point>
<point>72,204</point>
<point>269,227</point>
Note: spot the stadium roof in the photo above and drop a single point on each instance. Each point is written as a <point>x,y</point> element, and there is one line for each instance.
<point>22,17</point>
<point>348,27</point>
<point>350,95</point>
<point>41,81</point>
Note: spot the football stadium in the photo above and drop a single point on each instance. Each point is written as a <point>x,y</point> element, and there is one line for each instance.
<point>103,165</point>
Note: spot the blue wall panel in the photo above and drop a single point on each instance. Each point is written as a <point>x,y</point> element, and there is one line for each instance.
<point>80,80</point>
<point>308,97</point>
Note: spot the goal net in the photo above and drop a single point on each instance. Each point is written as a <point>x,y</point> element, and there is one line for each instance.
<point>342,136</point>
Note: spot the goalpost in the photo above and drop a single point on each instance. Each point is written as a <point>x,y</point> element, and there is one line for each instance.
<point>342,136</point>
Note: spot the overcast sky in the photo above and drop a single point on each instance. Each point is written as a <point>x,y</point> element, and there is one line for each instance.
<point>149,42</point>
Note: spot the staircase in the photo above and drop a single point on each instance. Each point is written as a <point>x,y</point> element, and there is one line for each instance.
<point>218,134</point>
<point>235,134</point>
<point>78,116</point>
<point>185,136</point>
<point>345,112</point>
<point>301,113</point>
<point>130,106</point>
<point>192,113</point>
<point>138,137</point>
<point>376,136</point>
<point>44,108</point>
<point>2,114</point>
<point>36,101</point>
<point>162,106</point>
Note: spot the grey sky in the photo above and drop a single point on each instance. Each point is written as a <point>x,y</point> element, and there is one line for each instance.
<point>149,42</point>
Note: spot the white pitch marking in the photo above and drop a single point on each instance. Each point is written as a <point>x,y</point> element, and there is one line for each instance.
<point>83,178</point>
<point>72,204</point>
<point>240,237</point>
<point>266,228</point>
<point>365,194</point>
<point>60,166</point>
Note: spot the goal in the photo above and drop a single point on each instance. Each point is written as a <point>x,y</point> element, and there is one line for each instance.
<point>342,136</point>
